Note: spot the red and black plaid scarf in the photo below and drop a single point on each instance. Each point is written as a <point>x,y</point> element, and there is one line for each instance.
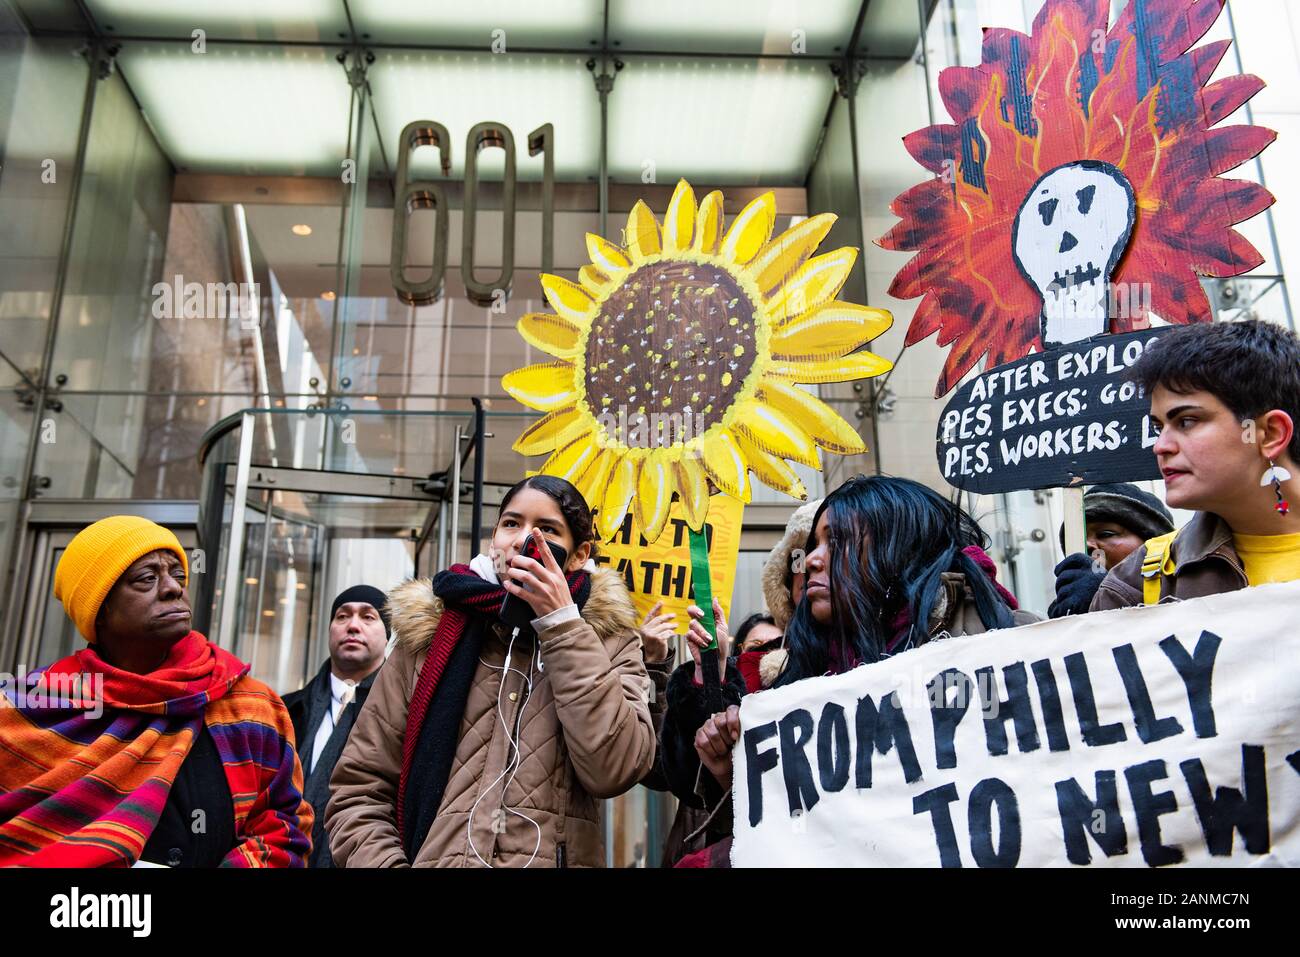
<point>467,599</point>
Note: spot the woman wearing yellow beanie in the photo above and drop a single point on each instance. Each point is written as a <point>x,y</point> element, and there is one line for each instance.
<point>172,727</point>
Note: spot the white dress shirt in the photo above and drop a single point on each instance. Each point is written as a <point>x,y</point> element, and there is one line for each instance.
<point>342,691</point>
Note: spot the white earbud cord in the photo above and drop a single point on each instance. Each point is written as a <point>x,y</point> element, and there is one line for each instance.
<point>519,721</point>
<point>514,754</point>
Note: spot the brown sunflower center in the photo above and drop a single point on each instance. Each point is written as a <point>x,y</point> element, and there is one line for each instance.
<point>668,353</point>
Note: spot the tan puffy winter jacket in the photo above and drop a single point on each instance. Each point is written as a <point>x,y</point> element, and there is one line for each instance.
<point>586,735</point>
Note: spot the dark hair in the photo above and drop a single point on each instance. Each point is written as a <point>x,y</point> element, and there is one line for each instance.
<point>890,540</point>
<point>746,626</point>
<point>1251,367</point>
<point>573,507</point>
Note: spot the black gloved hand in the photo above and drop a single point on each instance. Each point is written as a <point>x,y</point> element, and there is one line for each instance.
<point>1077,580</point>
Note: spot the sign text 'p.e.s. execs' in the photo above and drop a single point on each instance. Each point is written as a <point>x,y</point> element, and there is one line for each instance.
<point>1051,420</point>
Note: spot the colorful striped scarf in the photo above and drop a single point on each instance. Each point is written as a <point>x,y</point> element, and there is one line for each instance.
<point>81,789</point>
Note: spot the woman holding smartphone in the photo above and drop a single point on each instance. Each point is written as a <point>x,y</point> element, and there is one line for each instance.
<point>489,742</point>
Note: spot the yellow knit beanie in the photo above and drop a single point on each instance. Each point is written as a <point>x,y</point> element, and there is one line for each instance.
<point>96,558</point>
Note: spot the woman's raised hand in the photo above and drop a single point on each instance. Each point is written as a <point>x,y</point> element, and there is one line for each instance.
<point>547,589</point>
<point>697,639</point>
<point>657,633</point>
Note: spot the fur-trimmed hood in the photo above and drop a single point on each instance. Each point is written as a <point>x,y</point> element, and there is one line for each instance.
<point>414,610</point>
<point>775,592</point>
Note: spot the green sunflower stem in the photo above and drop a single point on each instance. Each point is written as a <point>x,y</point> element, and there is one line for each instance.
<point>702,584</point>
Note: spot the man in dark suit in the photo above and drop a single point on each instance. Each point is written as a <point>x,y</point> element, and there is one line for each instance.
<point>324,710</point>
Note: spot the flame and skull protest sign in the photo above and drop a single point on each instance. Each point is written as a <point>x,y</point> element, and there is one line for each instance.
<point>1076,195</point>
<point>1142,737</point>
<point>1077,190</point>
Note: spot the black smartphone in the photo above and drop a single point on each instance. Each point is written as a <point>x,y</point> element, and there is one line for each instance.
<point>514,610</point>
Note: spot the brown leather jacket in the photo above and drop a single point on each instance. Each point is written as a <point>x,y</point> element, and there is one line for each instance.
<point>586,735</point>
<point>1205,563</point>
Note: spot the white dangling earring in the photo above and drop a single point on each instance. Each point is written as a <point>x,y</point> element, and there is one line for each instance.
<point>1277,475</point>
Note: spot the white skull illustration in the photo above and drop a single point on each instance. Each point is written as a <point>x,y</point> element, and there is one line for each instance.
<point>1068,236</point>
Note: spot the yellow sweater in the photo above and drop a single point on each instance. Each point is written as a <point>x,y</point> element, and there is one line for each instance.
<point>1269,558</point>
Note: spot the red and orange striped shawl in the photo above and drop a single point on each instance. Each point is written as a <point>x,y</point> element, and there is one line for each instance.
<point>80,788</point>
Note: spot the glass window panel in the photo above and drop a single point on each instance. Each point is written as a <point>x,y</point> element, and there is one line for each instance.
<point>890,30</point>
<point>126,445</point>
<point>49,14</point>
<point>736,26</point>
<point>42,86</point>
<point>738,122</point>
<point>242,19</point>
<point>460,90</point>
<point>105,326</point>
<point>556,23</point>
<point>16,421</point>
<point>265,110</point>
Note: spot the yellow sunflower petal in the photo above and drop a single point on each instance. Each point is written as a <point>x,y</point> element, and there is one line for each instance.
<point>571,461</point>
<point>817,281</point>
<point>593,481</point>
<point>708,223</point>
<point>771,471</point>
<point>778,260</point>
<point>750,230</point>
<point>568,298</point>
<point>775,433</point>
<point>679,221</point>
<point>552,431</point>
<point>605,256</point>
<point>814,416</point>
<point>552,334</point>
<point>618,495</point>
<point>642,232</point>
<point>860,365</point>
<point>835,329</point>
<point>724,464</point>
<point>546,386</point>
<point>693,488</point>
<point>654,493</point>
<point>594,282</point>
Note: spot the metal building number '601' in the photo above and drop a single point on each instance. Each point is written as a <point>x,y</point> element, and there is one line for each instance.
<point>410,195</point>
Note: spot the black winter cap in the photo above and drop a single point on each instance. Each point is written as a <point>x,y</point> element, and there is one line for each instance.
<point>1125,504</point>
<point>362,593</point>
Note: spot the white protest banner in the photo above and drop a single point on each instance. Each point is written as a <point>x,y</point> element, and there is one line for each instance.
<point>1142,737</point>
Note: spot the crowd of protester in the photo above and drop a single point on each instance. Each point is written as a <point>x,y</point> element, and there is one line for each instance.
<point>443,732</point>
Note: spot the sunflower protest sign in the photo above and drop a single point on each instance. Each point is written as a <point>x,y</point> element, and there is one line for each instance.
<point>660,570</point>
<point>1077,195</point>
<point>679,357</point>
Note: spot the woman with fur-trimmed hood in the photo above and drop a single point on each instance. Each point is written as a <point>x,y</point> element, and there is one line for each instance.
<point>483,745</point>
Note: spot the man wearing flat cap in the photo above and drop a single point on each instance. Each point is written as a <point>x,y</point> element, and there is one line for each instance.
<point>323,712</point>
